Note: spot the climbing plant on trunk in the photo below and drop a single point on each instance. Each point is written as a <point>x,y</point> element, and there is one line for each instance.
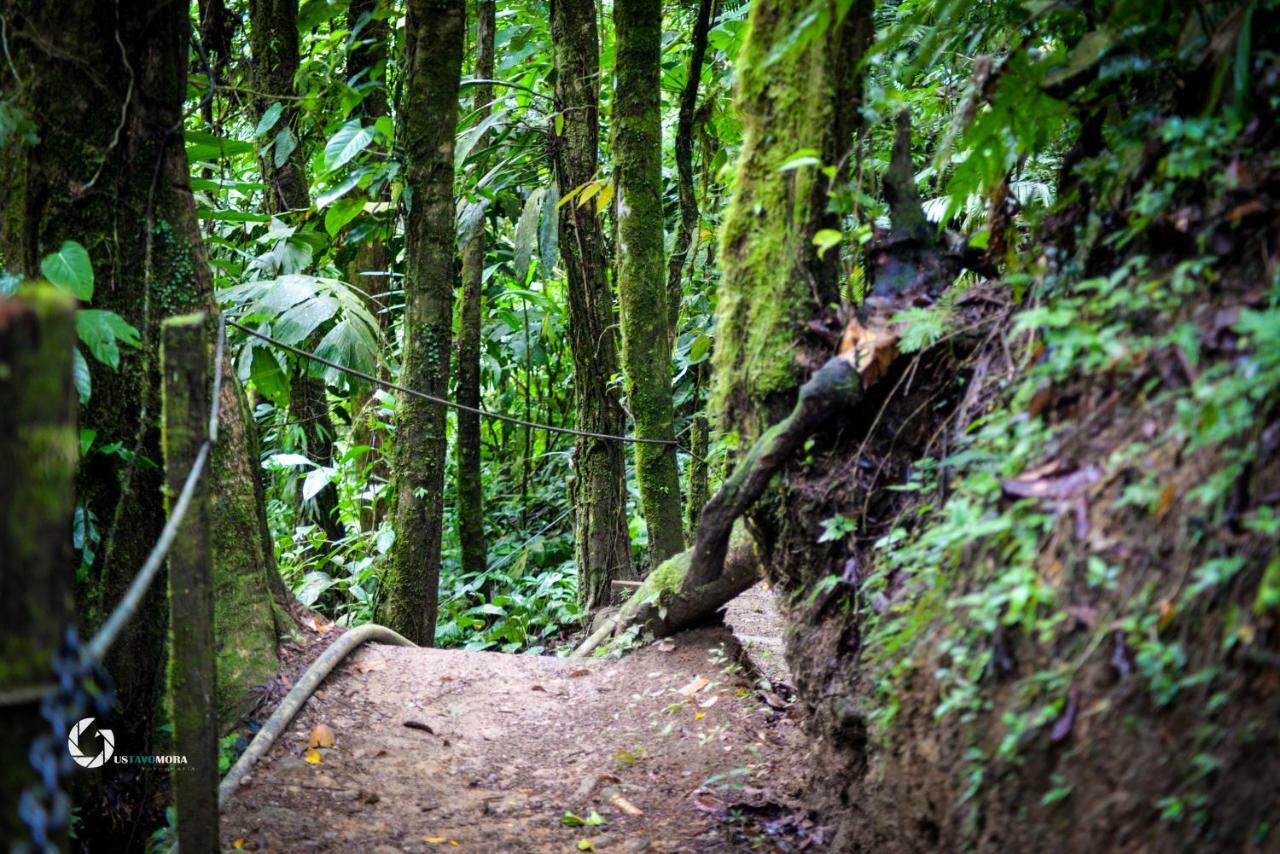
<point>599,495</point>
<point>434,31</point>
<point>646,332</point>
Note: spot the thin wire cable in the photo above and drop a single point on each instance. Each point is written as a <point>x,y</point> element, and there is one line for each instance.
<point>442,401</point>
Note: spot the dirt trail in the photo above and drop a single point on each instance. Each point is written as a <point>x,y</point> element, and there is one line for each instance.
<point>675,747</point>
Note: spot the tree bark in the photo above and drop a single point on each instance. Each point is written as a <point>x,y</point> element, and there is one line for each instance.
<point>471,536</point>
<point>273,31</point>
<point>38,435</point>
<point>601,545</point>
<point>684,166</point>
<point>646,333</point>
<point>773,281</point>
<point>434,35</point>
<point>121,188</point>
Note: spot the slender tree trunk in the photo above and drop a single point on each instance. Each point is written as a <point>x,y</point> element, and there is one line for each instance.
<point>470,490</point>
<point>122,190</point>
<point>646,335</point>
<point>684,166</point>
<point>368,263</point>
<point>273,31</point>
<point>601,545</point>
<point>434,35</point>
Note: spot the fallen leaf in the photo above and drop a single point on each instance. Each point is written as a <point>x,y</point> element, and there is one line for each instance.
<point>446,678</point>
<point>370,665</point>
<point>538,688</point>
<point>1167,612</point>
<point>237,844</point>
<point>774,700</point>
<point>1166,501</point>
<point>699,716</point>
<point>626,806</point>
<point>419,725</point>
<point>574,674</point>
<point>593,820</point>
<point>708,703</point>
<point>1062,728</point>
<point>585,845</point>
<point>695,686</point>
<point>322,736</point>
<point>312,756</point>
<point>434,840</point>
<point>1246,209</point>
<point>1029,485</point>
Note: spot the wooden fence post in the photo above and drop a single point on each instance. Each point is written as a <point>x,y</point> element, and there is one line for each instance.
<point>185,361</point>
<point>39,453</point>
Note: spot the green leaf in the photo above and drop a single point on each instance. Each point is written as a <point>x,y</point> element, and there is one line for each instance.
<point>70,269</point>
<point>526,234</point>
<point>699,349</point>
<point>549,230</point>
<point>100,330</point>
<point>80,375</point>
<point>331,195</point>
<point>315,12</point>
<point>342,213</point>
<point>202,145</point>
<point>284,145</point>
<point>803,157</point>
<point>270,116</point>
<point>825,239</point>
<point>346,143</point>
<point>9,283</point>
<point>316,480</point>
<point>593,820</point>
<point>268,377</point>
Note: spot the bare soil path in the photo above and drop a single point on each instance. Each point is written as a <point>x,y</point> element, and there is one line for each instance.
<point>676,747</point>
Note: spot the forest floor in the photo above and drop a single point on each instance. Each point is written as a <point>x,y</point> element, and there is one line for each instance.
<point>684,745</point>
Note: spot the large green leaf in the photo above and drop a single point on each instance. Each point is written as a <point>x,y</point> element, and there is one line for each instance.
<point>202,145</point>
<point>70,269</point>
<point>101,330</point>
<point>341,213</point>
<point>527,234</point>
<point>297,324</point>
<point>267,375</point>
<point>346,143</point>
<point>270,116</point>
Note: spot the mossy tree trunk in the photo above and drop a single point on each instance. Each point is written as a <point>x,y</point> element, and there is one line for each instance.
<point>121,189</point>
<point>37,436</point>
<point>773,280</point>
<point>273,40</point>
<point>601,545</point>
<point>646,330</point>
<point>434,33</point>
<point>470,489</point>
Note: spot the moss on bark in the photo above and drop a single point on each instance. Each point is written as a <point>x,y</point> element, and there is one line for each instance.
<point>773,280</point>
<point>123,193</point>
<point>434,35</point>
<point>646,334</point>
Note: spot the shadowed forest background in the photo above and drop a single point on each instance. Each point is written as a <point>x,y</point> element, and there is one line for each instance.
<point>556,325</point>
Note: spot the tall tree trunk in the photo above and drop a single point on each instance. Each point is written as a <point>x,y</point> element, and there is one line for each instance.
<point>434,35</point>
<point>367,61</point>
<point>646,334</point>
<point>684,166</point>
<point>599,492</point>
<point>772,280</point>
<point>273,38</point>
<point>470,490</point>
<point>121,188</point>
<point>368,263</point>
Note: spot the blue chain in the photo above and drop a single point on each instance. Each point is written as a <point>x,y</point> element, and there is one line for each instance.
<point>82,684</point>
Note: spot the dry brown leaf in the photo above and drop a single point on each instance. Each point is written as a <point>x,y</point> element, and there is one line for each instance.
<point>582,671</point>
<point>1166,501</point>
<point>695,686</point>
<point>370,665</point>
<point>322,735</point>
<point>626,806</point>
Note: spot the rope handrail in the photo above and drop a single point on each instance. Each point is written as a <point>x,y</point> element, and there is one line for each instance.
<point>444,401</point>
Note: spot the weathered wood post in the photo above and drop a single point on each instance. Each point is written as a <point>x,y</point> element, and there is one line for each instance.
<point>38,459</point>
<point>185,360</point>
